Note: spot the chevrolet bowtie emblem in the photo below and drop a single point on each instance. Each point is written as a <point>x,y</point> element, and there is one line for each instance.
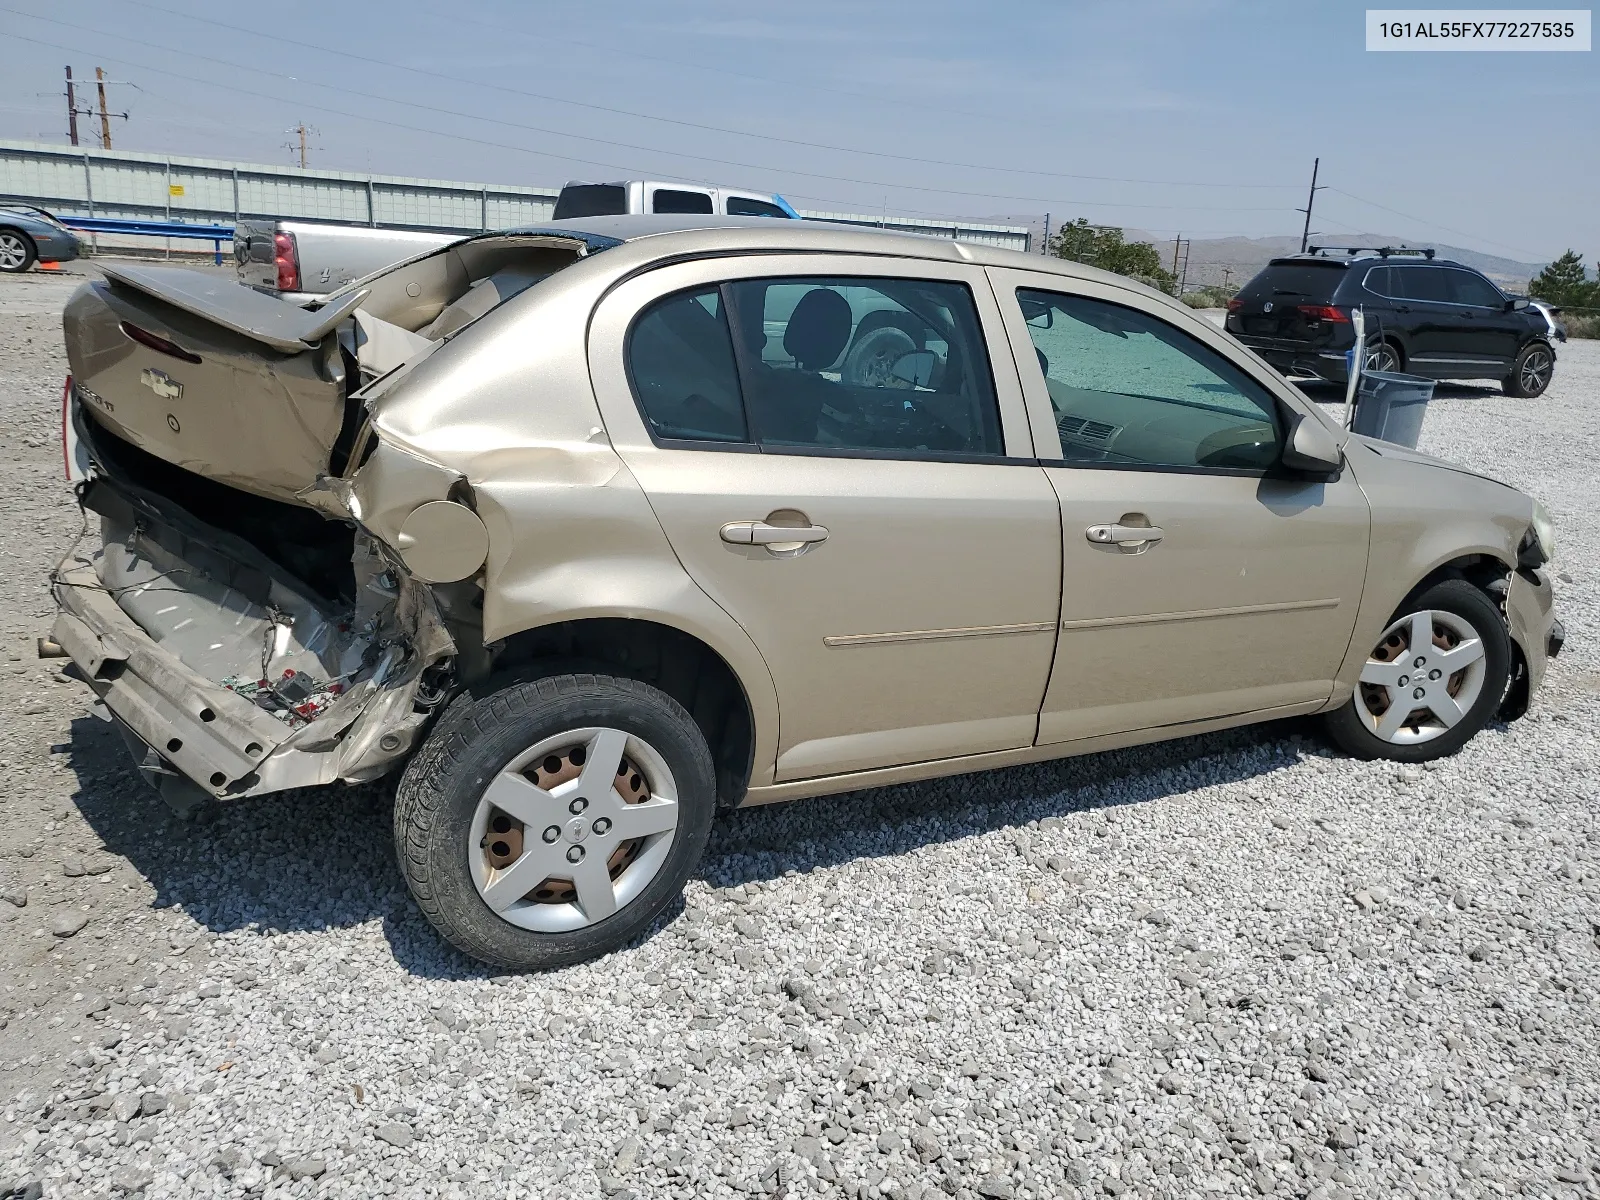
<point>161,384</point>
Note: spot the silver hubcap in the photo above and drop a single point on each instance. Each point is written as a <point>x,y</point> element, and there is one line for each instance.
<point>1422,678</point>
<point>572,829</point>
<point>12,252</point>
<point>1381,360</point>
<point>1535,371</point>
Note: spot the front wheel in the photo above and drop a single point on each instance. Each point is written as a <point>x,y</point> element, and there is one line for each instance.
<point>1530,372</point>
<point>552,822</point>
<point>16,251</point>
<point>1435,678</point>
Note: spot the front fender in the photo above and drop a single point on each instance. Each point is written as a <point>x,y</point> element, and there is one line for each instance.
<point>1426,516</point>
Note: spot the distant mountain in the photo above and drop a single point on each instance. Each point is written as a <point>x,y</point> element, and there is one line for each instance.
<point>1235,259</point>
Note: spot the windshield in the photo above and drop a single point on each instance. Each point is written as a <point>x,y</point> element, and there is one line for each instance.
<point>1303,280</point>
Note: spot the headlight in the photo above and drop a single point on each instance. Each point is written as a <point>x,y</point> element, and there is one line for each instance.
<point>1544,531</point>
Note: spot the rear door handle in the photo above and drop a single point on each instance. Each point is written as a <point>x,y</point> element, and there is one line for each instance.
<point>759,533</point>
<point>1402,308</point>
<point>1123,535</point>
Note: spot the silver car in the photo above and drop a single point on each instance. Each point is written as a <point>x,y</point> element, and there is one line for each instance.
<point>592,530</point>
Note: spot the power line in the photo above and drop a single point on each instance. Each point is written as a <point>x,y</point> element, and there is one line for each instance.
<point>1423,221</point>
<point>645,116</point>
<point>947,191</point>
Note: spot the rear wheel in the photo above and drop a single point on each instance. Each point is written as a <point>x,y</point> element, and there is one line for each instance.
<point>16,251</point>
<point>1384,356</point>
<point>1434,679</point>
<point>1530,372</point>
<point>552,821</point>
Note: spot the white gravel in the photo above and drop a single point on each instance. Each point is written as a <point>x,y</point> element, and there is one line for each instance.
<point>1230,965</point>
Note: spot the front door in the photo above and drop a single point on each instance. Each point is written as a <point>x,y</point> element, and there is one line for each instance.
<point>839,465</point>
<point>1199,579</point>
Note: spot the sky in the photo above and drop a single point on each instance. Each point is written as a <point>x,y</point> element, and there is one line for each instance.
<point>1193,116</point>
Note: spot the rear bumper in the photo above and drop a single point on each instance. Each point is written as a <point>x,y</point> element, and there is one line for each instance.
<point>205,732</point>
<point>184,725</point>
<point>1289,359</point>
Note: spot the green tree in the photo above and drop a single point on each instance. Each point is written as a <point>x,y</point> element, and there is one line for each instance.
<point>1565,284</point>
<point>1105,247</point>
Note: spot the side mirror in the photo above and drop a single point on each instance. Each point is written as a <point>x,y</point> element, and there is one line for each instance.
<point>1517,304</point>
<point>1311,448</point>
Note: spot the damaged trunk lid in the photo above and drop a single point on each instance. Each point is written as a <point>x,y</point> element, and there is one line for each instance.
<point>213,377</point>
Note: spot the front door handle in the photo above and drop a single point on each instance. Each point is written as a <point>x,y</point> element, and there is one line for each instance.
<point>1123,535</point>
<point>760,533</point>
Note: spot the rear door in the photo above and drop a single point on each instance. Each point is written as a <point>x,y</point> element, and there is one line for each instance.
<point>839,464</point>
<point>1430,317</point>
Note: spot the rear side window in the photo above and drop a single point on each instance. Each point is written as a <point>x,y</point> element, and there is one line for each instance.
<point>748,206</point>
<point>1301,281</point>
<point>680,355</point>
<point>819,365</point>
<point>670,200</point>
<point>1469,288</point>
<point>1423,283</point>
<point>591,200</point>
<point>852,364</point>
<point>1377,282</point>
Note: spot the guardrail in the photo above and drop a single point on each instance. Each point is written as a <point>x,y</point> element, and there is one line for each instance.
<point>215,234</point>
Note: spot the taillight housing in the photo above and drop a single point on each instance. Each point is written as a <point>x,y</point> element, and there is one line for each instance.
<point>286,255</point>
<point>1323,312</point>
<point>1235,304</point>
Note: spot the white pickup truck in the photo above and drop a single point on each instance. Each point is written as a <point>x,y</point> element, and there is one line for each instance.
<point>302,261</point>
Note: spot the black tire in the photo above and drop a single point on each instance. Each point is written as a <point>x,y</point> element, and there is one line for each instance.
<point>1385,356</point>
<point>1531,371</point>
<point>1348,727</point>
<point>439,793</point>
<point>17,251</point>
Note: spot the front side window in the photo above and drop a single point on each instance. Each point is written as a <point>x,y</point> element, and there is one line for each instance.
<point>672,200</point>
<point>680,356</point>
<point>1128,389</point>
<point>865,364</point>
<point>1474,290</point>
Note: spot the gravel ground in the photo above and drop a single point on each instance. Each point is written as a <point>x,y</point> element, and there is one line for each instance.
<point>1232,964</point>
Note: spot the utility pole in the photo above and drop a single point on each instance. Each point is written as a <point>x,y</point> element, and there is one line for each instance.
<point>301,129</point>
<point>72,109</point>
<point>1227,274</point>
<point>1311,199</point>
<point>1176,242</point>
<point>1045,249</point>
<point>105,117</point>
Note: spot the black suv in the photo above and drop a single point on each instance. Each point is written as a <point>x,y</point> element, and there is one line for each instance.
<point>1424,316</point>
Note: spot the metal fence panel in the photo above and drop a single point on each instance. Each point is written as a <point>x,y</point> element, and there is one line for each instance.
<point>116,183</point>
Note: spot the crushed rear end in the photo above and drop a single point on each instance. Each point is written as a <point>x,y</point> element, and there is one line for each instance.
<point>234,616</point>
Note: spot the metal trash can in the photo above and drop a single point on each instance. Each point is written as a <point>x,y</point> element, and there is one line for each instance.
<point>1390,406</point>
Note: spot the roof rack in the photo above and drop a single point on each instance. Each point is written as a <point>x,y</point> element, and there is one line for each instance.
<point>1380,251</point>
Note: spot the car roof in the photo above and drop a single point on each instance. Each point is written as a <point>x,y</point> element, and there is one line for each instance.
<point>1366,259</point>
<point>684,234</point>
